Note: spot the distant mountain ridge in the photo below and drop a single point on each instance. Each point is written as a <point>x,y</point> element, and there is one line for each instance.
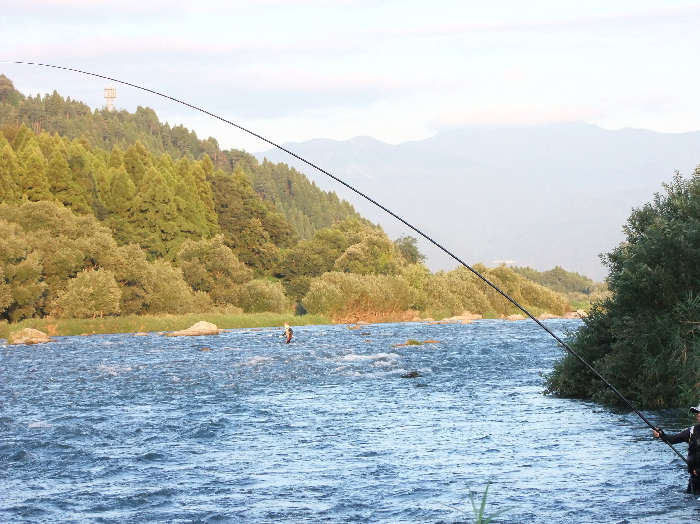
<point>540,196</point>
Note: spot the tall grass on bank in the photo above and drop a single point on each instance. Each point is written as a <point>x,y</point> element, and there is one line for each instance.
<point>148,324</point>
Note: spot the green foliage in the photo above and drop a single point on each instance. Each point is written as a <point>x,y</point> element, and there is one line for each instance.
<point>297,207</point>
<point>644,338</point>
<point>167,292</point>
<point>370,253</point>
<point>211,267</point>
<point>182,225</point>
<point>118,195</point>
<point>34,182</point>
<point>343,295</point>
<point>90,294</point>
<point>10,173</point>
<point>152,287</point>
<point>257,296</point>
<point>5,293</point>
<point>350,246</point>
<point>41,246</point>
<point>154,217</point>
<point>249,227</point>
<point>303,204</point>
<point>64,187</point>
<point>479,512</point>
<point>408,247</point>
<point>44,248</point>
<point>309,259</point>
<point>460,290</point>
<point>580,290</point>
<point>8,93</point>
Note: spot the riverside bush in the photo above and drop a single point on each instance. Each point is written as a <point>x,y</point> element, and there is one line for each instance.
<point>258,296</point>
<point>90,294</point>
<point>444,294</point>
<point>346,294</point>
<point>644,338</point>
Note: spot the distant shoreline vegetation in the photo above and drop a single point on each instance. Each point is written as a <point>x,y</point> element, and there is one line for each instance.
<point>155,324</point>
<point>164,324</point>
<point>115,215</point>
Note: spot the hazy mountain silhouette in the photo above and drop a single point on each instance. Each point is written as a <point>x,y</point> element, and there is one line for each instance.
<point>538,196</point>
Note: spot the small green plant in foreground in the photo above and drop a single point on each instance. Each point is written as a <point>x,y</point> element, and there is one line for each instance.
<point>479,511</point>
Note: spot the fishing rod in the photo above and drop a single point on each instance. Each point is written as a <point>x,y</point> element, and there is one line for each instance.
<point>380,206</point>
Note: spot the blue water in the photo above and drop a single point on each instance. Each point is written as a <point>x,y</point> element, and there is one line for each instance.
<point>241,427</point>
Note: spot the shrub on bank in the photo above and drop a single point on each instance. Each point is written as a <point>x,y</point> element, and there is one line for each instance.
<point>90,294</point>
<point>258,296</point>
<point>346,294</point>
<point>644,337</point>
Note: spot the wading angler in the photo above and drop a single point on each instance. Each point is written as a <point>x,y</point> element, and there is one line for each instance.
<point>690,435</point>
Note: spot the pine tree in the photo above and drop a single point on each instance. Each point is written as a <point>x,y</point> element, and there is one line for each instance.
<point>119,203</point>
<point>190,207</point>
<point>23,136</point>
<point>10,174</point>
<point>34,183</point>
<point>136,161</point>
<point>154,216</point>
<point>64,188</point>
<point>205,196</point>
<point>116,157</point>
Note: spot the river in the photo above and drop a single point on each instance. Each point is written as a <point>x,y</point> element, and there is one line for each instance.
<point>241,427</point>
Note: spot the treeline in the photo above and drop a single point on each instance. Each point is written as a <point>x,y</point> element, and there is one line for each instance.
<point>56,263</point>
<point>579,289</point>
<point>159,226</point>
<point>306,207</point>
<point>149,200</point>
<point>644,338</point>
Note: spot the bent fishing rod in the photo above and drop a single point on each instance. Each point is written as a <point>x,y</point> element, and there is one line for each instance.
<point>380,206</point>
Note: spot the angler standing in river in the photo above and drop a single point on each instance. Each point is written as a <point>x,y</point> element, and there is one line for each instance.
<point>690,435</point>
<point>288,333</point>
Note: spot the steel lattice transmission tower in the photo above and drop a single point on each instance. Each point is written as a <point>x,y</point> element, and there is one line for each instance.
<point>110,95</point>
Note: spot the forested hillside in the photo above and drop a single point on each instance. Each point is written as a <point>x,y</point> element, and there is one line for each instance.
<point>107,213</point>
<point>300,201</point>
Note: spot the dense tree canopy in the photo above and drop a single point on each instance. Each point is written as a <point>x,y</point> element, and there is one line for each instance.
<point>113,213</point>
<point>644,338</point>
<point>134,140</point>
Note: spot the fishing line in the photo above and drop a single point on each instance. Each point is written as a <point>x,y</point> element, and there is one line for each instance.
<point>418,231</point>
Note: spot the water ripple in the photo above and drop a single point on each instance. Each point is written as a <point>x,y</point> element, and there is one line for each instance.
<point>118,429</point>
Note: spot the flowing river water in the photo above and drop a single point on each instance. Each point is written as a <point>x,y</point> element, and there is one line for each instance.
<point>241,427</point>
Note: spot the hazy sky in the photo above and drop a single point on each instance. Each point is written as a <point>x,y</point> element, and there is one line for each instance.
<point>393,70</point>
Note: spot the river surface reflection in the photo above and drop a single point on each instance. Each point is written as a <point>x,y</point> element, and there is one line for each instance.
<point>241,427</point>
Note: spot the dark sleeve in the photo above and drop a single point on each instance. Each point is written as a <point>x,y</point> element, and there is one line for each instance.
<point>677,438</point>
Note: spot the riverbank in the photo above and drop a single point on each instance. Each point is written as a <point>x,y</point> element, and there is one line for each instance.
<point>148,324</point>
<point>166,323</point>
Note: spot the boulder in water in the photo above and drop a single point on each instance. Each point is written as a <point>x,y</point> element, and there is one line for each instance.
<point>29,336</point>
<point>200,328</point>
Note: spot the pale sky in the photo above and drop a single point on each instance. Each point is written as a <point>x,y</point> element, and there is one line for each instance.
<point>392,70</point>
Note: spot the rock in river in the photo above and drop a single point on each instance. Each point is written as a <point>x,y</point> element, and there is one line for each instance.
<point>200,328</point>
